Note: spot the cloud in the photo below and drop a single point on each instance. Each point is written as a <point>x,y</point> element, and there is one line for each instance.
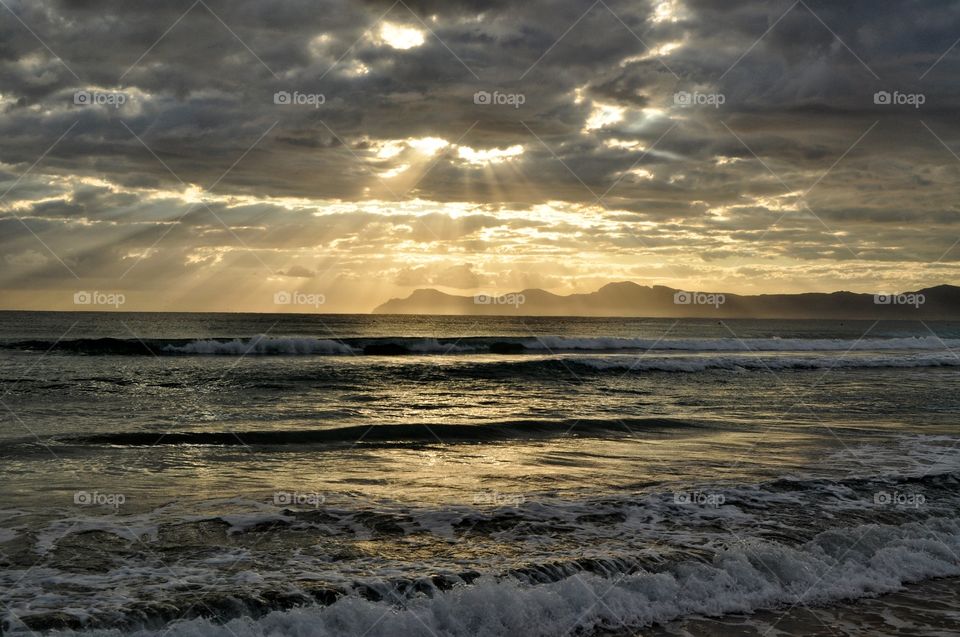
<point>391,166</point>
<point>459,276</point>
<point>299,271</point>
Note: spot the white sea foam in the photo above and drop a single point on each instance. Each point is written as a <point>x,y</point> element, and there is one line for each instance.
<point>753,573</point>
<point>743,345</point>
<point>840,564</point>
<point>433,346</point>
<point>771,362</point>
<point>263,345</point>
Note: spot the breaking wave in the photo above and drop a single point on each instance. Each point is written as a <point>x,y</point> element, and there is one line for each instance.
<point>392,346</point>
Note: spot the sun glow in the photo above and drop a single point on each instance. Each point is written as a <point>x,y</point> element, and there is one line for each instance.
<point>428,145</point>
<point>604,115</point>
<point>624,144</point>
<point>489,155</point>
<point>400,37</point>
<point>668,11</point>
<point>193,194</point>
<point>389,149</point>
<point>396,170</point>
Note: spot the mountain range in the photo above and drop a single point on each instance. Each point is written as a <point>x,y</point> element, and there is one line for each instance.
<point>630,299</point>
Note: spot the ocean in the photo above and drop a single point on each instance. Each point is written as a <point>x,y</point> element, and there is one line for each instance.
<point>251,474</point>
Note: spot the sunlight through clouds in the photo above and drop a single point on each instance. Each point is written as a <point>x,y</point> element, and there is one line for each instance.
<point>604,115</point>
<point>400,36</point>
<point>428,145</point>
<point>354,139</point>
<point>489,155</point>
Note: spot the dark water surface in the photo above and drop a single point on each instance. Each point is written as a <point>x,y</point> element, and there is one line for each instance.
<point>385,475</point>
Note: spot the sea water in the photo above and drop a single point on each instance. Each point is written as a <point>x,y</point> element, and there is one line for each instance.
<point>229,474</point>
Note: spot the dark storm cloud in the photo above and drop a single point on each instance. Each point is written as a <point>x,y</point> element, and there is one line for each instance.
<point>200,97</point>
<point>599,126</point>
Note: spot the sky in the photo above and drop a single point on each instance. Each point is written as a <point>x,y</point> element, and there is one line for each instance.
<point>210,155</point>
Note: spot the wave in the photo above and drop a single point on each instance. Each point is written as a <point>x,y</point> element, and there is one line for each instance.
<point>557,343</point>
<point>754,363</point>
<point>584,365</point>
<point>386,433</point>
<point>393,346</point>
<point>275,346</point>
<point>660,557</point>
<point>838,564</point>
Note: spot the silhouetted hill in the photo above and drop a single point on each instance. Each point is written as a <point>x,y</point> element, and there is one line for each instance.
<point>630,299</point>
